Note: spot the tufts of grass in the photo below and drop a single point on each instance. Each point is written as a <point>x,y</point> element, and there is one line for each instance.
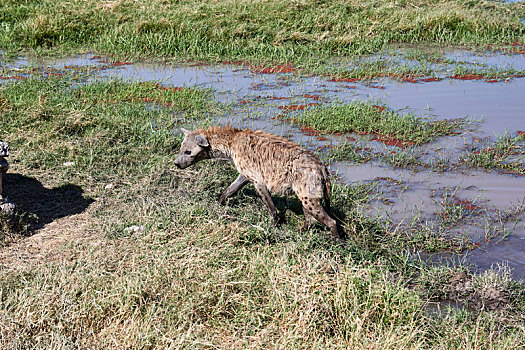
<point>365,117</point>
<point>505,154</point>
<point>305,32</point>
<point>13,227</point>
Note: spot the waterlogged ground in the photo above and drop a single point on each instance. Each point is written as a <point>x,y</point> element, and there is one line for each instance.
<point>468,186</point>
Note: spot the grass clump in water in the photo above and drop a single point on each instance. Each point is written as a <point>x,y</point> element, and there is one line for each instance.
<point>506,154</point>
<point>366,118</point>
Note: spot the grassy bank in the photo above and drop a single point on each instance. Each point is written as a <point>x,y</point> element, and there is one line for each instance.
<point>138,254</point>
<point>267,31</point>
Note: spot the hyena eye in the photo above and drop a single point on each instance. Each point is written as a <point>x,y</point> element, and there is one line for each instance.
<point>187,152</point>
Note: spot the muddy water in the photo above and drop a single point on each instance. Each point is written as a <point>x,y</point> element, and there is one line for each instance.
<point>490,203</point>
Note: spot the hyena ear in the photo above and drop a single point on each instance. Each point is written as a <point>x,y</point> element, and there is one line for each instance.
<point>202,141</point>
<point>184,131</point>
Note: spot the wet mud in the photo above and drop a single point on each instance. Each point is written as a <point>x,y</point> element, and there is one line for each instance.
<point>434,192</point>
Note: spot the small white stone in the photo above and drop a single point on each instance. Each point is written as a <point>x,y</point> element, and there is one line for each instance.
<point>109,187</point>
<point>68,163</point>
<point>134,229</point>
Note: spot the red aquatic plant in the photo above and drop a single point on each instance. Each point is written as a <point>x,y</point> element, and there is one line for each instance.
<point>120,63</point>
<point>470,76</point>
<point>296,107</point>
<point>346,80</point>
<point>391,141</point>
<point>313,97</point>
<point>409,79</point>
<point>426,80</point>
<point>379,108</point>
<point>309,131</point>
<point>274,69</point>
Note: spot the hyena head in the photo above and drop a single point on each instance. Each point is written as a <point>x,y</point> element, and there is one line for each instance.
<point>194,148</point>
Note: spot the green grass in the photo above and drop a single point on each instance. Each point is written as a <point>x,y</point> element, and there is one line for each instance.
<point>198,274</point>
<point>304,32</point>
<point>506,154</point>
<point>365,117</point>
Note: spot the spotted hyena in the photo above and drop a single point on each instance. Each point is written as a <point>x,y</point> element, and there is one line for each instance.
<point>273,164</point>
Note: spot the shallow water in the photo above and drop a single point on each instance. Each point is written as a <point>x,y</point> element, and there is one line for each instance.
<point>402,196</point>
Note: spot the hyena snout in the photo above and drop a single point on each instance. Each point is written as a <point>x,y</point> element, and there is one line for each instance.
<point>183,162</point>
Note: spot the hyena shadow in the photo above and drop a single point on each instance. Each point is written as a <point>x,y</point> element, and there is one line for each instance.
<point>282,203</point>
<point>45,204</point>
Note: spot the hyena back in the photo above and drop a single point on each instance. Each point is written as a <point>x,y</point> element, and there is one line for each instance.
<point>273,164</point>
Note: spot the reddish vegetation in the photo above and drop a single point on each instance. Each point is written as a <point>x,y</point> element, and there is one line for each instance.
<point>379,108</point>
<point>277,98</point>
<point>465,204</point>
<point>467,76</point>
<point>243,102</point>
<point>377,87</point>
<point>409,79</point>
<point>116,64</point>
<point>280,68</point>
<point>492,80</point>
<point>349,86</point>
<point>174,88</point>
<point>237,63</point>
<point>96,58</point>
<point>313,97</point>
<point>346,80</point>
<point>521,133</point>
<point>274,69</point>
<point>426,80</point>
<point>391,141</point>
<point>350,138</point>
<point>308,131</point>
<point>323,147</point>
<point>321,138</point>
<point>388,179</point>
<point>296,107</point>
<point>198,64</point>
<point>16,77</point>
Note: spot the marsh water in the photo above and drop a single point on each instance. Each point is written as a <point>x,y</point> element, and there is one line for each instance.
<point>493,217</point>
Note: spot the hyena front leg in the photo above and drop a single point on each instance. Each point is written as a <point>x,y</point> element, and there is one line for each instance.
<point>309,220</point>
<point>267,199</point>
<point>235,186</point>
<point>313,207</point>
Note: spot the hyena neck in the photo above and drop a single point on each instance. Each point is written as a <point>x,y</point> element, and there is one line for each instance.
<point>221,139</point>
<point>219,149</point>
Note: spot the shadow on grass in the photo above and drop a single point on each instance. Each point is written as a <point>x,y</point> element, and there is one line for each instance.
<point>46,204</point>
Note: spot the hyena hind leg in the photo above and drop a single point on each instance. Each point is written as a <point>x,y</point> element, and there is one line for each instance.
<point>262,190</point>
